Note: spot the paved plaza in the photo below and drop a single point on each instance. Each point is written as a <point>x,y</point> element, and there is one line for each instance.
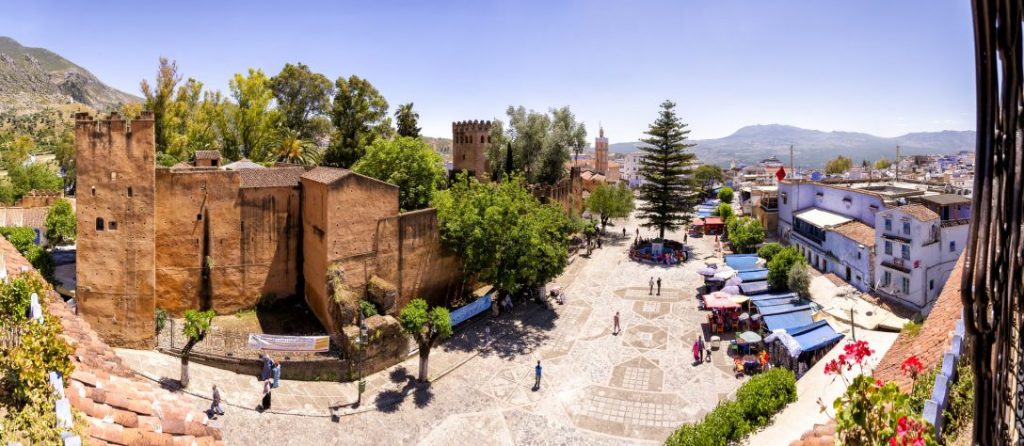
<point>597,388</point>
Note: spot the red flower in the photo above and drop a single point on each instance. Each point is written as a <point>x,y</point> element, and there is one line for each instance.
<point>879,383</point>
<point>901,426</point>
<point>832,367</point>
<point>858,350</point>
<point>912,366</point>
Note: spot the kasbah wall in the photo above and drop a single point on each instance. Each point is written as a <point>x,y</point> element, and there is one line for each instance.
<point>202,237</point>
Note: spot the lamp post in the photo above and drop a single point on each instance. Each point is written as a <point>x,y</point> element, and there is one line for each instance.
<point>361,343</point>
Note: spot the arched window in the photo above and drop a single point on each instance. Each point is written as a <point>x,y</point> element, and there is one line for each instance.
<point>99,223</point>
<point>481,139</point>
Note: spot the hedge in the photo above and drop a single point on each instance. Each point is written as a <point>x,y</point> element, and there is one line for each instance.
<point>23,238</point>
<point>756,402</point>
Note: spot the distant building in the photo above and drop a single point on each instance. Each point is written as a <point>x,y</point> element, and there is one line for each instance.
<point>469,144</point>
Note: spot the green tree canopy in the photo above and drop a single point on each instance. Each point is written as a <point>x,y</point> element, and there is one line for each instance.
<point>159,96</point>
<point>767,251</point>
<point>408,163</point>
<point>669,194</point>
<point>609,202</point>
<point>253,119</point>
<point>540,143</point>
<point>707,175</point>
<point>745,234</point>
<point>301,96</point>
<point>407,121</point>
<point>502,233</point>
<point>360,116</point>
<point>197,325</point>
<point>291,148</point>
<point>779,266</point>
<point>839,164</point>
<point>724,210</point>
<point>725,194</point>
<point>29,177</point>
<point>60,223</point>
<point>426,326</point>
<point>883,163</point>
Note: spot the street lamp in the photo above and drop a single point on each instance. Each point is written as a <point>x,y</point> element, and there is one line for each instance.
<point>361,342</point>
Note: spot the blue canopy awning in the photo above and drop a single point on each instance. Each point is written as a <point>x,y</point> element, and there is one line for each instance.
<point>774,296</point>
<point>753,275</point>
<point>742,262</point>
<point>752,288</point>
<point>815,335</point>
<point>765,304</point>
<point>788,318</point>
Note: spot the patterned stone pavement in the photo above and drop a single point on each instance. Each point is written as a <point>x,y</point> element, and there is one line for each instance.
<point>597,388</point>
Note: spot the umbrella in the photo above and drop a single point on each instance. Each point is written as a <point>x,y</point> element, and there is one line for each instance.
<point>725,274</point>
<point>739,299</point>
<point>732,289</point>
<point>744,316</point>
<point>734,281</point>
<point>707,271</point>
<point>750,337</point>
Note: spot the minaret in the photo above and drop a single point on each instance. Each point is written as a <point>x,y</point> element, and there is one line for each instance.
<point>601,153</point>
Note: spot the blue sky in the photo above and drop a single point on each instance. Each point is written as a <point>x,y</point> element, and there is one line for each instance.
<point>876,66</point>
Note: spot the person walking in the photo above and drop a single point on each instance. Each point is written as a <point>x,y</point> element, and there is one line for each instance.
<point>537,371</point>
<point>650,284</point>
<point>599,243</point>
<point>623,232</point>
<point>684,237</point>
<point>659,286</point>
<point>277,374</point>
<point>696,354</point>
<point>616,329</point>
<point>216,408</point>
<point>265,405</point>
<point>700,344</point>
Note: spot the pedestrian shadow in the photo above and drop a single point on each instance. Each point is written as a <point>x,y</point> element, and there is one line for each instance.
<point>389,401</point>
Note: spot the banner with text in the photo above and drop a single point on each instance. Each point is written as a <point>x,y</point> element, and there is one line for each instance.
<point>289,343</point>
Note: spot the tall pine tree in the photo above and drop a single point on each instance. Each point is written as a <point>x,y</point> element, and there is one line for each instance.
<point>669,192</point>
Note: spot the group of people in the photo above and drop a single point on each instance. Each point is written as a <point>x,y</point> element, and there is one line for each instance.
<point>698,350</point>
<point>270,375</point>
<point>651,284</point>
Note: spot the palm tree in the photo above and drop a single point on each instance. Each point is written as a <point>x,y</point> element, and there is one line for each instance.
<point>291,148</point>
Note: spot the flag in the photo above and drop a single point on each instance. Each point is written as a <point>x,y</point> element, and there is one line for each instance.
<point>781,173</point>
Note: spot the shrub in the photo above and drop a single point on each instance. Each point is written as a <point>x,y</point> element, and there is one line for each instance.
<point>912,328</point>
<point>960,411</point>
<point>745,234</point>
<point>799,279</point>
<point>161,319</point>
<point>24,240</point>
<point>725,194</point>
<point>768,251</point>
<point>779,266</point>
<point>367,308</point>
<point>16,296</point>
<point>756,402</point>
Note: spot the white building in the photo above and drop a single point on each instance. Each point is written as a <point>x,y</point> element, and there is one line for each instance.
<point>631,169</point>
<point>841,229</point>
<point>916,251</point>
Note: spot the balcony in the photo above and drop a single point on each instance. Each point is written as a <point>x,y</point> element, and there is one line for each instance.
<point>897,264</point>
<point>770,205</point>
<point>898,238</point>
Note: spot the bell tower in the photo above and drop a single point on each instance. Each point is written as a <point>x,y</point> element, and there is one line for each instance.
<point>469,143</point>
<point>601,153</point>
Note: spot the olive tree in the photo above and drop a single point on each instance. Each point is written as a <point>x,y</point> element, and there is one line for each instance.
<point>427,326</point>
<point>197,325</point>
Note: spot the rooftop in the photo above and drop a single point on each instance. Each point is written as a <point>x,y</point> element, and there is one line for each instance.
<point>207,155</point>
<point>946,199</point>
<point>326,175</point>
<point>919,212</point>
<point>243,163</point>
<point>857,231</point>
<point>275,177</point>
<point>821,218</point>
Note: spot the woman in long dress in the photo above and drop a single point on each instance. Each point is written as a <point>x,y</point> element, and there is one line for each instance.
<point>266,394</point>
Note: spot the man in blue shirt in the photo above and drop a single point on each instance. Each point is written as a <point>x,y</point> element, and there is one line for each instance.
<point>538,370</point>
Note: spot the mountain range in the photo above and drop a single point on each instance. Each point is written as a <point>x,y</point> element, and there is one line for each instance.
<point>33,79</point>
<point>812,148</point>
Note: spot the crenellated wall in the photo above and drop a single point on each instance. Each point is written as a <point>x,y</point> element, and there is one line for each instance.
<point>469,144</point>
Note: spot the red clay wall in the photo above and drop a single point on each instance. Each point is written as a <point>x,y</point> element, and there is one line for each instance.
<point>115,235</point>
<point>427,270</point>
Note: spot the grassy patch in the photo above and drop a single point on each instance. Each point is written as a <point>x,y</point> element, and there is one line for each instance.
<point>911,328</point>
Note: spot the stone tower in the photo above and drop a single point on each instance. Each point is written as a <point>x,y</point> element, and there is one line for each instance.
<point>601,153</point>
<point>116,167</point>
<point>469,143</point>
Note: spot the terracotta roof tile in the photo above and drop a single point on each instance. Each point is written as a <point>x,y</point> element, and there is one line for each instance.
<point>919,212</point>
<point>856,231</point>
<point>326,175</point>
<point>272,177</point>
<point>207,155</point>
<point>934,338</point>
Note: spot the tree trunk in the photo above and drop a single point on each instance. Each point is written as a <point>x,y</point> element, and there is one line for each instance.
<point>185,352</point>
<point>424,355</point>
